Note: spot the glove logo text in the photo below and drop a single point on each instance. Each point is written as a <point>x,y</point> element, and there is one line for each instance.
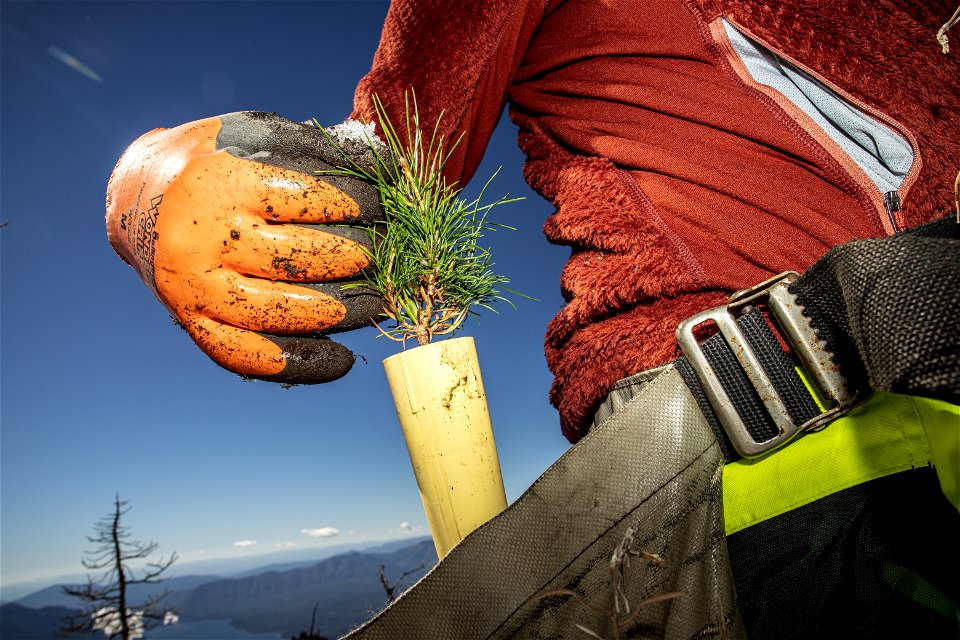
<point>142,234</point>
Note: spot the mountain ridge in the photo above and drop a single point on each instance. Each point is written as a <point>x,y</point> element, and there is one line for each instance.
<point>346,589</point>
<point>347,586</point>
<point>217,567</point>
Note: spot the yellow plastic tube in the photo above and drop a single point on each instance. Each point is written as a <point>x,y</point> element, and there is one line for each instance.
<point>442,408</point>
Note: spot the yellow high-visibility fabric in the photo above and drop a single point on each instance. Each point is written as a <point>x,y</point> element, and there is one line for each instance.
<point>887,434</point>
<point>942,426</point>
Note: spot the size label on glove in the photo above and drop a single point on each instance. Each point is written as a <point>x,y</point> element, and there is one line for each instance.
<point>141,230</point>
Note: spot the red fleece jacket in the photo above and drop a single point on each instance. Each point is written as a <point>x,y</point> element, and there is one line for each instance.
<point>677,179</point>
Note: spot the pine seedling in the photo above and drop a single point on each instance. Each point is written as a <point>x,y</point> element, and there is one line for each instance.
<point>425,258</point>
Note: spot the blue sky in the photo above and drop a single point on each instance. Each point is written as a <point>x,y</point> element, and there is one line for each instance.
<point>100,393</point>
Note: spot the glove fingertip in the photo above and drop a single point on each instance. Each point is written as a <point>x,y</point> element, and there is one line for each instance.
<point>285,359</point>
<point>363,305</point>
<point>311,360</point>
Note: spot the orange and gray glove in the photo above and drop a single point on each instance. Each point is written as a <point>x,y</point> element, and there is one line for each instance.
<point>227,222</point>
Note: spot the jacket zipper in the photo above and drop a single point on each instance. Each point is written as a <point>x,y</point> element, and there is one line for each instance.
<point>891,203</point>
<point>887,205</point>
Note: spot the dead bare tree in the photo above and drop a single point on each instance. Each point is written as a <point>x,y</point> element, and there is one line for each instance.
<point>107,605</point>
<point>311,634</point>
<point>391,589</point>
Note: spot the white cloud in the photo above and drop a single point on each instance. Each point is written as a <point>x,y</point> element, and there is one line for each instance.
<point>322,532</point>
<point>245,543</point>
<point>286,545</point>
<point>405,528</point>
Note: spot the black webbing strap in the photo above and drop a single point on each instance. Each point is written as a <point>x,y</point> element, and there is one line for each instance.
<point>888,310</point>
<point>777,364</point>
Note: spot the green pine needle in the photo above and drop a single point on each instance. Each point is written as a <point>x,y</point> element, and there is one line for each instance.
<point>426,260</point>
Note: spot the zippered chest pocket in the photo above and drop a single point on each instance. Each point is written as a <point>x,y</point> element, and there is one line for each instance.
<point>876,151</point>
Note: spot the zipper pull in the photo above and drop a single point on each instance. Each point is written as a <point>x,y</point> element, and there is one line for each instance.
<point>891,202</point>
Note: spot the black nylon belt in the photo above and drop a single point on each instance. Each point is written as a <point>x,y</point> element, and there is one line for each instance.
<point>889,309</point>
<point>907,285</point>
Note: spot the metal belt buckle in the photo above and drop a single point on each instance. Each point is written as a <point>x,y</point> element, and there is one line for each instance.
<point>795,329</point>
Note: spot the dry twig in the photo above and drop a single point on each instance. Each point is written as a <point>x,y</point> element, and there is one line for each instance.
<point>956,195</point>
<point>620,615</point>
<point>942,33</point>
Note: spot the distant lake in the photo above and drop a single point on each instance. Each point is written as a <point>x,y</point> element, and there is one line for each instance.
<point>207,630</point>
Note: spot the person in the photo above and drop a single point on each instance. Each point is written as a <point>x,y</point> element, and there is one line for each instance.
<point>692,148</point>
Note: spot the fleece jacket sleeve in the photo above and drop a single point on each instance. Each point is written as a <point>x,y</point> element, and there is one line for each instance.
<point>459,57</point>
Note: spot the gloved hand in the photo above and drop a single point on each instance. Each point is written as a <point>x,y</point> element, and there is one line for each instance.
<point>226,221</point>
